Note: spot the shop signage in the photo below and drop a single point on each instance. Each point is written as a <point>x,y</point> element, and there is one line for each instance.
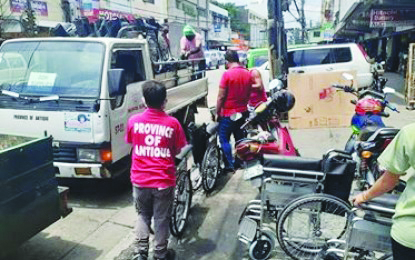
<point>95,14</point>
<point>40,7</point>
<point>381,18</point>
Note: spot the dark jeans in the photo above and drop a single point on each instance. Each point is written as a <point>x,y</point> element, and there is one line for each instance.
<point>226,128</point>
<point>401,252</point>
<point>151,202</point>
<point>200,70</point>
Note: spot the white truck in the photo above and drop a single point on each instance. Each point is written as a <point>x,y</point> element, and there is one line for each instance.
<point>82,91</point>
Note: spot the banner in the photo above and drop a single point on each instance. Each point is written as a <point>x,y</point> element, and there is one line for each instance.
<point>40,7</point>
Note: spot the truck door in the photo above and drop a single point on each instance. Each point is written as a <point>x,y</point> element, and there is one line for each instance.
<point>131,60</point>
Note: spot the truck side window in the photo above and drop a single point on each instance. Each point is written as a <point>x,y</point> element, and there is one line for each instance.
<point>132,63</point>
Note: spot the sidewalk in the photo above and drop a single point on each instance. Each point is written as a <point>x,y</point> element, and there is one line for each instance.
<point>213,223</point>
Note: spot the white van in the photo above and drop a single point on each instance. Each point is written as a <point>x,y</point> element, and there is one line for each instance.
<point>332,57</point>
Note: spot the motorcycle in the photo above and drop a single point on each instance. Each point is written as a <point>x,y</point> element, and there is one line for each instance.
<point>369,136</point>
<point>266,134</point>
<point>379,83</point>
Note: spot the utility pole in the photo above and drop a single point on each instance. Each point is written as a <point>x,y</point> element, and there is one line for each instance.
<point>277,40</point>
<point>303,22</point>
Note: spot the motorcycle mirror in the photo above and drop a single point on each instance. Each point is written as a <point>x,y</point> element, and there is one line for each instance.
<point>275,85</point>
<point>348,76</point>
<point>388,90</point>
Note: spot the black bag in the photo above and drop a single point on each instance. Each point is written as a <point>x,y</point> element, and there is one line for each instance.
<point>199,141</point>
<point>339,168</point>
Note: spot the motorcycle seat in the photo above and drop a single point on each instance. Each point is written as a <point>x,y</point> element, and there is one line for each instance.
<point>366,134</point>
<point>380,133</point>
<point>291,162</point>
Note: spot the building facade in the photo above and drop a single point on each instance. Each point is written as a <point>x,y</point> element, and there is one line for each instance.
<point>219,34</point>
<point>253,27</point>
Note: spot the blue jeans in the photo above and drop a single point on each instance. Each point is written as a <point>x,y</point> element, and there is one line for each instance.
<point>226,128</point>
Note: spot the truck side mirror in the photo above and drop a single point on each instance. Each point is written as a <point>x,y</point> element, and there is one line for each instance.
<point>117,85</point>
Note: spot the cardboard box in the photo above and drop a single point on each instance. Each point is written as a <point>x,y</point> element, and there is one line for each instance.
<point>318,104</point>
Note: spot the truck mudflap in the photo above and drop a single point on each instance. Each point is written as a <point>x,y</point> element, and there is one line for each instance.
<point>63,201</point>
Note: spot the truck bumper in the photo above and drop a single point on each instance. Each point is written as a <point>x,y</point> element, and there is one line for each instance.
<point>81,170</point>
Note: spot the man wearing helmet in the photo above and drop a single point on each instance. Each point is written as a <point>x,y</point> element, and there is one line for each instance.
<point>191,47</point>
<point>234,94</point>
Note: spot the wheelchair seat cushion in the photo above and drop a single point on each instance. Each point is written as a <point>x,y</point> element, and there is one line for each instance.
<point>291,162</point>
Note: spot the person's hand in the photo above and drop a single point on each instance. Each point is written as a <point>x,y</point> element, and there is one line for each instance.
<point>359,199</point>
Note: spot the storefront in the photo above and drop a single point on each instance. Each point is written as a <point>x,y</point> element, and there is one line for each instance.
<point>385,28</point>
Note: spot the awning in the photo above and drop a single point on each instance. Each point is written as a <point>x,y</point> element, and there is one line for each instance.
<point>361,18</point>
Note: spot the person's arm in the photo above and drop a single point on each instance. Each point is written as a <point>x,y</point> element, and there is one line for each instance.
<point>396,162</point>
<point>221,100</point>
<point>223,92</point>
<point>183,51</point>
<point>198,44</point>
<point>256,78</point>
<point>180,138</point>
<point>127,137</point>
<point>385,183</point>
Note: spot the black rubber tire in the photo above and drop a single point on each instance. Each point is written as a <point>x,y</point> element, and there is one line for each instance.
<point>320,203</point>
<point>184,185</point>
<point>261,249</point>
<point>210,170</point>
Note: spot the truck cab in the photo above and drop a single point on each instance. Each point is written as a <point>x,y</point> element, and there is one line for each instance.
<point>82,91</point>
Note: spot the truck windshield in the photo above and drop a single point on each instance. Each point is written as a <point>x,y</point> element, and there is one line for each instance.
<point>66,69</point>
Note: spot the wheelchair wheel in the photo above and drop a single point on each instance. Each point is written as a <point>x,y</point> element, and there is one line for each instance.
<point>181,204</point>
<point>308,222</point>
<point>261,248</point>
<point>210,167</point>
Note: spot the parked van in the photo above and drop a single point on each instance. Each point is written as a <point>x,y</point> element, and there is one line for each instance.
<point>332,57</point>
<point>257,57</point>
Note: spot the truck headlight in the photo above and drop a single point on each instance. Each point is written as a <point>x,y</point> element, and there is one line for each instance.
<point>88,155</point>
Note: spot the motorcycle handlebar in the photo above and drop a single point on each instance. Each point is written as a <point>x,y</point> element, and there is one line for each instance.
<point>392,107</point>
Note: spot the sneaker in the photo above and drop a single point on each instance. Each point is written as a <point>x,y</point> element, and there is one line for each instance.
<point>140,256</point>
<point>228,170</point>
<point>171,255</point>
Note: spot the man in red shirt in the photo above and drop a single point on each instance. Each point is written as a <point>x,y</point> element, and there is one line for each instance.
<point>232,110</point>
<point>156,138</point>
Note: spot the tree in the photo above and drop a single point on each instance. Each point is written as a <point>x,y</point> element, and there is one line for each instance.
<point>5,14</point>
<point>28,19</point>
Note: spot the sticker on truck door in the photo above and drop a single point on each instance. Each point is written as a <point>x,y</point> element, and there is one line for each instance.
<point>77,122</point>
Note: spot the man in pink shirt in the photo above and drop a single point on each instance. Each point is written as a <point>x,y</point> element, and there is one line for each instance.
<point>191,48</point>
<point>234,95</point>
<point>156,139</point>
<point>258,93</point>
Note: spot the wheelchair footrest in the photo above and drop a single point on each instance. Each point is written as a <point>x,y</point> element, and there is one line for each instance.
<point>247,230</point>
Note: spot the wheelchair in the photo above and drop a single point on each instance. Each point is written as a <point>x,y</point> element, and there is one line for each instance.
<point>368,234</point>
<point>306,199</point>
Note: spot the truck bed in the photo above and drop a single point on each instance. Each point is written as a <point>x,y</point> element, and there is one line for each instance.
<point>8,141</point>
<point>29,197</point>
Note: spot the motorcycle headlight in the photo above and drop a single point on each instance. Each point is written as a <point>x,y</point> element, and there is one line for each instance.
<point>88,155</point>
